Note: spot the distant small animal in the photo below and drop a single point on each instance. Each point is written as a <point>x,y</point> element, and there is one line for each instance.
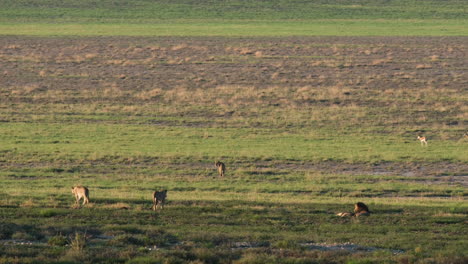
<point>80,192</point>
<point>361,209</point>
<point>221,168</point>
<point>464,138</point>
<point>159,198</point>
<point>422,140</point>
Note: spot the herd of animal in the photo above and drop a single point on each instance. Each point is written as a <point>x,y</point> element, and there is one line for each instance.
<point>159,197</point>
<point>81,192</point>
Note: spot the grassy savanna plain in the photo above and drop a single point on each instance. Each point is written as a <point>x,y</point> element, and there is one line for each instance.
<point>234,18</point>
<point>307,126</point>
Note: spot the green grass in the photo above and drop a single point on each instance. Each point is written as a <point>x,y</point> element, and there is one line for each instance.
<point>66,141</point>
<point>206,223</point>
<point>234,18</point>
<point>236,28</point>
<point>102,11</point>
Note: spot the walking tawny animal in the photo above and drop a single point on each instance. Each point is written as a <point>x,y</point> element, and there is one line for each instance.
<point>221,168</point>
<point>159,198</point>
<point>80,192</point>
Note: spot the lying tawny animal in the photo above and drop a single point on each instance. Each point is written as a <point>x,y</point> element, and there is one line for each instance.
<point>80,192</point>
<point>360,209</point>
<point>159,198</point>
<point>423,141</point>
<point>221,168</point>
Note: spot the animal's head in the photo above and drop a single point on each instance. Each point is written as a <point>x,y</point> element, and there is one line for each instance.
<point>359,206</point>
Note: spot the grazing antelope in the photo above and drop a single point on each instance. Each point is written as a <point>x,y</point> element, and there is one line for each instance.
<point>464,138</point>
<point>221,168</point>
<point>423,141</point>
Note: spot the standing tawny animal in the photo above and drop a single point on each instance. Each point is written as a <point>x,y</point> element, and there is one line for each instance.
<point>423,141</point>
<point>159,198</point>
<point>81,192</point>
<point>221,168</point>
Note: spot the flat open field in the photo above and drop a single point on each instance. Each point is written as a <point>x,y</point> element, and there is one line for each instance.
<point>307,126</point>
<point>234,18</point>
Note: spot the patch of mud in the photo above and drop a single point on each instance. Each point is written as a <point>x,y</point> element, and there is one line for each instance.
<point>103,237</point>
<point>452,173</point>
<point>153,248</point>
<point>247,245</point>
<point>317,246</point>
<point>350,247</point>
<point>430,173</point>
<point>345,247</point>
<point>17,242</point>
